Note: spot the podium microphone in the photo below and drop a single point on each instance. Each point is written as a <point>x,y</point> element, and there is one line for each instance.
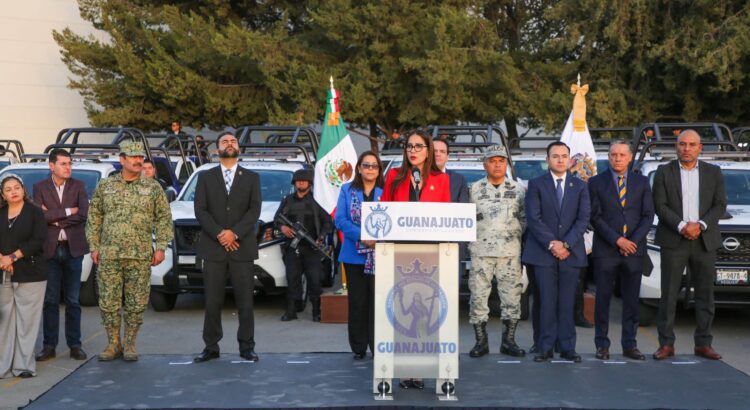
<point>417,177</point>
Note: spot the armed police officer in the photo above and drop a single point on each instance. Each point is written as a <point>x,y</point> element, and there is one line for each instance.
<point>305,225</point>
<point>496,252</point>
<point>124,212</point>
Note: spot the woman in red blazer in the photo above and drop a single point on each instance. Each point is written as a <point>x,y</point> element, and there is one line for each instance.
<point>434,186</point>
<point>419,153</point>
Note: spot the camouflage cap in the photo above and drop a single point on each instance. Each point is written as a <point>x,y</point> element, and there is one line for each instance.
<point>495,151</point>
<point>132,149</point>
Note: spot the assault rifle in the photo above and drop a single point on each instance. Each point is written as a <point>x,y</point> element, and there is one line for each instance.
<point>301,234</point>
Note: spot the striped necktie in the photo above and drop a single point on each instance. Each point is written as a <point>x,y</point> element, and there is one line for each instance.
<point>622,191</point>
<point>228,179</point>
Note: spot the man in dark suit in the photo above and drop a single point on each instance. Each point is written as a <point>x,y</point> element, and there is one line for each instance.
<point>227,206</point>
<point>459,187</point>
<point>557,213</point>
<point>689,198</point>
<point>622,210</point>
<point>65,204</point>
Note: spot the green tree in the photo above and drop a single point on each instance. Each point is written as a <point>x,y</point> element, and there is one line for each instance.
<point>398,64</point>
<point>647,59</point>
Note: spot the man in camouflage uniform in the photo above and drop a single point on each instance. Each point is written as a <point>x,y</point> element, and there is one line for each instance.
<point>497,252</point>
<point>124,212</point>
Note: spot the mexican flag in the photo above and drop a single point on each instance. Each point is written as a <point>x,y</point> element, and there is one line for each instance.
<point>336,156</point>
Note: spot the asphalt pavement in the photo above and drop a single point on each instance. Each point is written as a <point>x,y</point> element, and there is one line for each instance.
<point>179,332</point>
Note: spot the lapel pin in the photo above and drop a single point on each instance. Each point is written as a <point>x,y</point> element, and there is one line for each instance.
<point>239,172</point>
<point>571,185</point>
<point>432,187</point>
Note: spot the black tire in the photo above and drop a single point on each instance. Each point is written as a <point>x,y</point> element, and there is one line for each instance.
<point>647,313</point>
<point>161,301</point>
<point>89,295</point>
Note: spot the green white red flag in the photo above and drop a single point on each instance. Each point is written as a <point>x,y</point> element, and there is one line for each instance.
<point>336,156</point>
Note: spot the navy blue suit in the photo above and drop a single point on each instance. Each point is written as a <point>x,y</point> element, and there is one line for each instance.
<point>556,280</point>
<point>608,218</point>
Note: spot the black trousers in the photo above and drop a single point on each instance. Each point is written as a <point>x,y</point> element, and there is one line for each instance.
<point>215,276</point>
<point>702,266</point>
<point>305,260</point>
<point>361,308</point>
<point>606,271</point>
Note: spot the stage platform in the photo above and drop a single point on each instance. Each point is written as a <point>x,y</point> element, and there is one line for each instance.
<point>335,380</point>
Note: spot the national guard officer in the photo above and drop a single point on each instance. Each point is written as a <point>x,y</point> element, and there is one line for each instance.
<point>496,252</point>
<point>124,212</point>
<point>299,255</point>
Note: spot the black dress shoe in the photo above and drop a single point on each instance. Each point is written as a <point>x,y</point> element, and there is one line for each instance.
<point>47,352</point>
<point>205,356</point>
<point>543,357</point>
<point>634,354</point>
<point>571,355</point>
<point>76,353</point>
<point>602,353</point>
<point>359,356</point>
<point>249,355</point>
<point>411,384</point>
<point>26,375</point>
<point>288,316</point>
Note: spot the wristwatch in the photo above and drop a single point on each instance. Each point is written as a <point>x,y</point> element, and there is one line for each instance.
<point>565,245</point>
<point>13,257</point>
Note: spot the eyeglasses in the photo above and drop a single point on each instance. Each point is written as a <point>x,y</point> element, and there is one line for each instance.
<point>369,166</point>
<point>415,147</point>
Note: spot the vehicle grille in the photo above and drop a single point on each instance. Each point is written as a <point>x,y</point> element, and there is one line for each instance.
<point>740,255</point>
<point>186,238</point>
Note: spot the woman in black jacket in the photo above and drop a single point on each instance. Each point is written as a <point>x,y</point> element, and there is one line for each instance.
<point>22,233</point>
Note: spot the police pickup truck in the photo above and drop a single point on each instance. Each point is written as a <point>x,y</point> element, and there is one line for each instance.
<point>181,272</point>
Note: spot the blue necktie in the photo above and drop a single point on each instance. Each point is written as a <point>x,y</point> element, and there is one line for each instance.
<point>559,192</point>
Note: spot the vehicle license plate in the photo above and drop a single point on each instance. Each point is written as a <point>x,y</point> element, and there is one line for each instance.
<point>731,276</point>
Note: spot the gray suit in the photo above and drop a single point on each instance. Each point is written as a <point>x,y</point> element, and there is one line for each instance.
<point>677,252</point>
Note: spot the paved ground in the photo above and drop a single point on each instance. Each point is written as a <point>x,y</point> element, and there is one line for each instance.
<point>179,332</point>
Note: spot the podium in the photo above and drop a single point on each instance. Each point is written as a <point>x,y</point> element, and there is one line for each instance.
<point>416,290</point>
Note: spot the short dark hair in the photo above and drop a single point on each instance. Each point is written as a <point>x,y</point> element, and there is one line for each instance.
<point>557,144</point>
<point>224,134</point>
<point>444,141</point>
<point>58,152</point>
<point>148,161</point>
<point>357,181</point>
<point>176,121</point>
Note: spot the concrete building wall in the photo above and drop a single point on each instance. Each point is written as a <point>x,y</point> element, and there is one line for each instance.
<point>35,101</point>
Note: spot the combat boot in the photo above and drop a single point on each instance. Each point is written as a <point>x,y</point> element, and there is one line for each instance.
<point>509,346</point>
<point>114,348</point>
<point>482,347</point>
<point>130,354</point>
<point>315,309</point>
<point>291,311</point>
